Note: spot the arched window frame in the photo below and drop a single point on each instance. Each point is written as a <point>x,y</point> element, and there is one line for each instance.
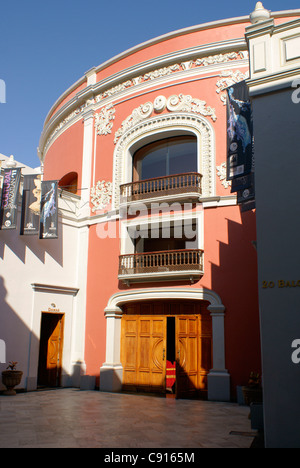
<point>161,127</point>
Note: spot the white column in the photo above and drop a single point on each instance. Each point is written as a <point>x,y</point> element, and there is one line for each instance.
<point>218,377</point>
<point>79,366</point>
<point>87,158</point>
<point>111,372</point>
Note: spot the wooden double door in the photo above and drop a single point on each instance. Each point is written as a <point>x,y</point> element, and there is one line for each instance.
<point>155,338</point>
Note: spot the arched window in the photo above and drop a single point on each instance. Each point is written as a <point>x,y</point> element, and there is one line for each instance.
<point>170,156</point>
<point>69,182</point>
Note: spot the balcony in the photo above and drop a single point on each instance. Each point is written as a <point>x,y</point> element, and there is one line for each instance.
<point>179,187</point>
<point>161,266</point>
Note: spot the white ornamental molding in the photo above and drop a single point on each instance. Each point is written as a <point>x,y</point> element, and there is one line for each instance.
<point>103,120</point>
<point>101,195</point>
<point>194,123</point>
<point>229,78</point>
<point>180,103</point>
<point>222,174</point>
<point>185,66</point>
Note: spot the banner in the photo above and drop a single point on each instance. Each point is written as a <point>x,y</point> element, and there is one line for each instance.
<point>239,132</point>
<point>31,205</point>
<point>9,199</point>
<point>49,210</point>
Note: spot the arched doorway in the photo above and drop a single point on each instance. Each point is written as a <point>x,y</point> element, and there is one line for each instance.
<point>166,347</point>
<point>111,372</point>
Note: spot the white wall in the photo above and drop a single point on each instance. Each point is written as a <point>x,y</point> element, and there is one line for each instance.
<point>277,167</point>
<point>34,275</point>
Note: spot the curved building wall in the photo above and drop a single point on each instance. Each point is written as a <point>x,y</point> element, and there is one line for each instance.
<point>171,86</point>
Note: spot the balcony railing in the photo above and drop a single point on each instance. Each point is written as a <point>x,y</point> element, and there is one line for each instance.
<point>171,262</point>
<point>179,184</point>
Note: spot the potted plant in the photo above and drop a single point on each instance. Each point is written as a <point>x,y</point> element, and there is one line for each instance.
<point>11,377</point>
<point>253,391</point>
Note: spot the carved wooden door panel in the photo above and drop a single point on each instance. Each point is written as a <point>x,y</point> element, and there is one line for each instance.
<point>193,351</point>
<point>51,349</point>
<point>143,353</point>
<point>54,355</point>
<point>187,356</point>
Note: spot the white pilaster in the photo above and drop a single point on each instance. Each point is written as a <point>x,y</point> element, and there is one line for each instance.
<point>87,158</point>
<point>111,372</point>
<point>218,377</point>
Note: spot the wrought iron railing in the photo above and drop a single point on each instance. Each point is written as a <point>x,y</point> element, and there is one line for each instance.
<point>157,262</point>
<point>162,186</point>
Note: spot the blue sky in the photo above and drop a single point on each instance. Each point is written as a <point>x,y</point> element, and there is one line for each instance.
<point>46,46</point>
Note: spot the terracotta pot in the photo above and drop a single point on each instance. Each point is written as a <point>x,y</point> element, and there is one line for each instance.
<point>11,379</point>
<point>252,395</point>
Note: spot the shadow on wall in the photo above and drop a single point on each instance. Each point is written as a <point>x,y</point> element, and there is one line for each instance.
<point>16,339</point>
<point>14,334</point>
<point>236,277</point>
<point>39,247</point>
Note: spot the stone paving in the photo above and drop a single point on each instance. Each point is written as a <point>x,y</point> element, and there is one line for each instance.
<point>70,418</point>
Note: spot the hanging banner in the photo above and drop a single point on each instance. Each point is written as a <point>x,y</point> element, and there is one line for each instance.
<point>31,205</point>
<point>9,199</point>
<point>49,210</point>
<point>239,132</point>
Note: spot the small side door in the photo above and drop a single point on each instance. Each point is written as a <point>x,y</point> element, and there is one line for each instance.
<point>51,349</point>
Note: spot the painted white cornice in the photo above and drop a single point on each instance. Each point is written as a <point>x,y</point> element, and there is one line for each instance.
<point>74,106</point>
<point>173,34</point>
<point>128,81</point>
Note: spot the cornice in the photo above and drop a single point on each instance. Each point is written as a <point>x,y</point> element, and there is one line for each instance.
<point>55,119</point>
<point>141,68</point>
<point>53,289</point>
<point>162,38</point>
<point>272,82</point>
<point>110,86</point>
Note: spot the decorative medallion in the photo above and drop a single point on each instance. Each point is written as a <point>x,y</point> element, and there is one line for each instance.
<point>180,103</point>
<point>101,195</point>
<point>229,78</point>
<point>103,120</point>
<point>222,174</point>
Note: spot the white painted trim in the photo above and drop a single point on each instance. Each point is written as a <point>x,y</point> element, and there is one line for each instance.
<point>210,25</point>
<point>47,288</point>
<point>111,370</point>
<point>194,294</point>
<point>162,126</point>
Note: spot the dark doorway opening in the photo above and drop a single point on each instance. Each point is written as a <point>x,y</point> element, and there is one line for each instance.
<point>171,356</point>
<point>51,347</point>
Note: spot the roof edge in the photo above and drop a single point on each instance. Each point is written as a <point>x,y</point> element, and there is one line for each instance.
<point>164,37</point>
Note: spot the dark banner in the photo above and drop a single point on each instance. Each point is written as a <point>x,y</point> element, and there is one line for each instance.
<point>49,210</point>
<point>9,199</point>
<point>239,132</point>
<point>31,205</point>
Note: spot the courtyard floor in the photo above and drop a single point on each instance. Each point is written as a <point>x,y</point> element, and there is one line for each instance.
<point>70,418</point>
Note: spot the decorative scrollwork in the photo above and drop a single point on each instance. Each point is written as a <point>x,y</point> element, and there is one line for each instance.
<point>222,174</point>
<point>103,120</point>
<point>175,103</point>
<point>101,195</point>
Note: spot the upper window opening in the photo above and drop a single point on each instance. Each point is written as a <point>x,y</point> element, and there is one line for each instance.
<point>176,155</point>
<point>69,182</point>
